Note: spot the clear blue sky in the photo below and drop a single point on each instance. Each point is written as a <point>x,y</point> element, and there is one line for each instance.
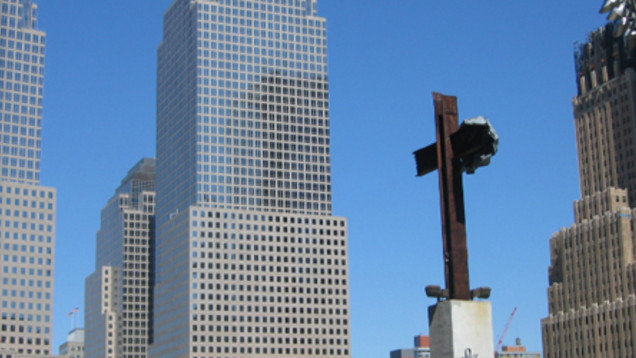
<point>511,61</point>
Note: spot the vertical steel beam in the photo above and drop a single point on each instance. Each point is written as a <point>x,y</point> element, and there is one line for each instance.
<point>452,199</point>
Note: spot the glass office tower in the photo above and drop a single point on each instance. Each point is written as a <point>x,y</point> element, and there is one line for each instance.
<point>250,261</point>
<point>27,210</point>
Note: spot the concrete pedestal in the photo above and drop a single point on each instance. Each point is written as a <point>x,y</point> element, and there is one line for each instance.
<point>461,329</point>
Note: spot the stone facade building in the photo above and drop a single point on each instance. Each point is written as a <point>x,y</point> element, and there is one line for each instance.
<point>592,292</point>
<point>119,292</point>
<point>74,345</point>
<point>250,260</point>
<point>27,209</point>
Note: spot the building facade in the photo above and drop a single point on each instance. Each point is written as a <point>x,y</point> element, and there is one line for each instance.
<point>605,114</point>
<point>516,351</point>
<point>74,345</point>
<point>421,349</point>
<point>27,209</point>
<point>119,292</point>
<point>250,260</point>
<point>592,301</point>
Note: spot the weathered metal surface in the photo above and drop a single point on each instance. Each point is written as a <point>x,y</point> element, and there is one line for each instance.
<point>456,150</point>
<point>452,199</point>
<point>473,143</point>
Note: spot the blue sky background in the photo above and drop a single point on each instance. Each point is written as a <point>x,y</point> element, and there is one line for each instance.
<point>511,61</point>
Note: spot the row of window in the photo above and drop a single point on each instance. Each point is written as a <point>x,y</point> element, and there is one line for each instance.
<point>265,350</point>
<point>27,248</point>
<point>24,57</point>
<point>22,120</point>
<point>236,8</point>
<point>24,340</point>
<point>30,295</point>
<point>26,192</point>
<point>31,260</point>
<point>20,45</point>
<point>301,220</point>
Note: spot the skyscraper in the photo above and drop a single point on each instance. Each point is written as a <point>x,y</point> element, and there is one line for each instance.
<point>27,210</point>
<point>250,261</point>
<point>592,293</point>
<point>119,292</point>
<point>605,114</point>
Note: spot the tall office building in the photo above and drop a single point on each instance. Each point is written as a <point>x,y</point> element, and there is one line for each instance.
<point>592,293</point>
<point>250,261</point>
<point>27,210</point>
<point>119,292</point>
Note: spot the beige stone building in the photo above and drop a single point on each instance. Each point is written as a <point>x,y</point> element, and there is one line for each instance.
<point>74,345</point>
<point>27,209</point>
<point>592,292</point>
<point>251,261</point>
<point>118,294</point>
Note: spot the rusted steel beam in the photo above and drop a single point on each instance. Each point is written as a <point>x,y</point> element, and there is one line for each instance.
<point>452,199</point>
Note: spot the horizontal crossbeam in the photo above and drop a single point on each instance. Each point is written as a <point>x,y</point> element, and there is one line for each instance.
<point>466,141</point>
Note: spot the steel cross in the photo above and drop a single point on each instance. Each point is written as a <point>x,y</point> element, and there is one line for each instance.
<point>446,155</point>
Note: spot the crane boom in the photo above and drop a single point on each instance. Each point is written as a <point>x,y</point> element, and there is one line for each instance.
<point>503,334</point>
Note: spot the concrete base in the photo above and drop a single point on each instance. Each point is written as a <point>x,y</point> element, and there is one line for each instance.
<point>461,329</point>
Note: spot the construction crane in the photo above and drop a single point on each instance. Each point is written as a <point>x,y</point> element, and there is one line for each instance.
<point>503,334</point>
